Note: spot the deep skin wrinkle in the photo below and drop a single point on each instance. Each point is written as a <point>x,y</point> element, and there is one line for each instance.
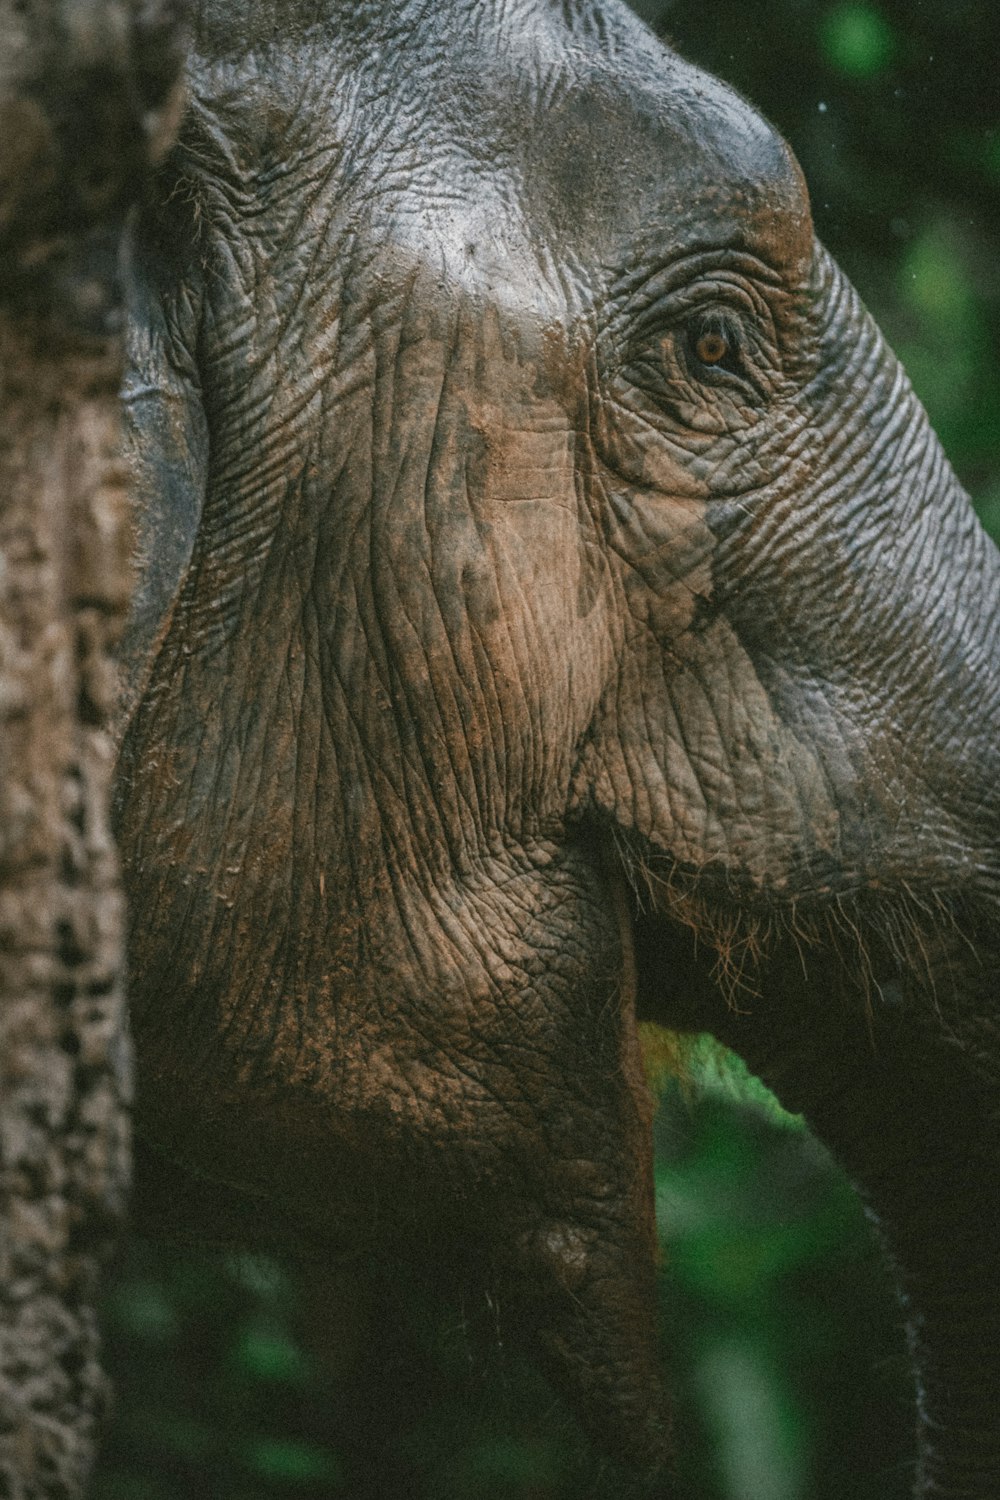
<point>553,602</point>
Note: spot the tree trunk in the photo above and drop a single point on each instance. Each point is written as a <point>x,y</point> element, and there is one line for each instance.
<point>82,89</point>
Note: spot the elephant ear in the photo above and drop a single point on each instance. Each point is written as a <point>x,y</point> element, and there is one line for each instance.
<point>165,441</point>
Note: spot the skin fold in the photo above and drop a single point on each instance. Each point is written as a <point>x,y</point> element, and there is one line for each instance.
<point>553,609</point>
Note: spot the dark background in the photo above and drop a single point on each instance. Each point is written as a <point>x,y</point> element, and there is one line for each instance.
<point>780,1329</point>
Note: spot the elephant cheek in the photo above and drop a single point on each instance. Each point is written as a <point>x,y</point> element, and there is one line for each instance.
<point>694,758</point>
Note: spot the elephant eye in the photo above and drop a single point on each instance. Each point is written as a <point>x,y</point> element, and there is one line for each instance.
<point>713,344</point>
<point>712,347</point>
<point>707,348</point>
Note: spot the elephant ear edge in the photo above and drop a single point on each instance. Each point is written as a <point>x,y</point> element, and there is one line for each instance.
<point>165,441</point>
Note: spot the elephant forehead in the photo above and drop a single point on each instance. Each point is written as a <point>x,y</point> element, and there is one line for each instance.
<point>528,164</point>
<point>620,161</point>
<point>473,237</point>
<point>532,165</point>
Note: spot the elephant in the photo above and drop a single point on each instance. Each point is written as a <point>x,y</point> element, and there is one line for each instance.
<point>554,611</point>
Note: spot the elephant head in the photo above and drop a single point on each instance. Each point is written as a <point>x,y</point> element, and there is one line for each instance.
<point>553,608</point>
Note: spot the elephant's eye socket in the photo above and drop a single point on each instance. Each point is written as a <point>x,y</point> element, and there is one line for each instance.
<point>699,359</point>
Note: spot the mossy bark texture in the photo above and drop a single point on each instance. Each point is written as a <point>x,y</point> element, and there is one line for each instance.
<point>86,90</point>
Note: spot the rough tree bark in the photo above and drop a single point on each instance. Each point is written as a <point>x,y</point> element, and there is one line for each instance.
<point>87,96</point>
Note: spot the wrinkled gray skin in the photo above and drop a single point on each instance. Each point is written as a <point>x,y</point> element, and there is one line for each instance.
<point>506,659</point>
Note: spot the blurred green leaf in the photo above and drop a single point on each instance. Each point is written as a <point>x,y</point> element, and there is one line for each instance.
<point>760,1436</point>
<point>146,1311</point>
<point>857,40</point>
<point>937,285</point>
<point>264,1354</point>
<point>289,1462</point>
<point>508,1466</point>
<point>721,1073</point>
<point>184,1436</point>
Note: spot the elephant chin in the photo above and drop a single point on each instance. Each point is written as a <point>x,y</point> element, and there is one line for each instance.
<point>708,945</point>
<point>876,1017</point>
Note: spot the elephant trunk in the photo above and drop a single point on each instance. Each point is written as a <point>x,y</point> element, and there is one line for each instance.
<point>906,1098</point>
<point>900,1079</point>
<point>915,1125</point>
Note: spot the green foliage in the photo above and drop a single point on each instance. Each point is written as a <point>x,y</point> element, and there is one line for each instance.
<point>779,1314</point>
<point>857,41</point>
<point>266,1353</point>
<point>289,1464</point>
